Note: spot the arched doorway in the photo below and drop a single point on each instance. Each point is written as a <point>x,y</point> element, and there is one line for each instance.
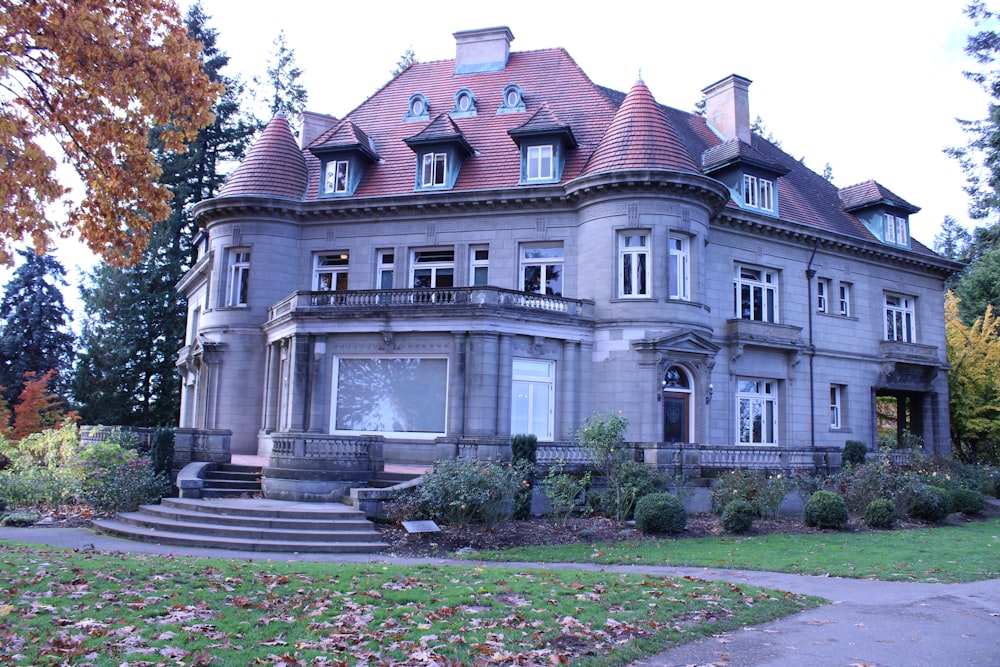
<point>676,399</point>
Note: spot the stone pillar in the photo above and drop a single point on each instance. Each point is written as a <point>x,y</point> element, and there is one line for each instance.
<point>317,384</point>
<point>272,386</point>
<point>504,380</point>
<point>569,379</point>
<point>297,403</point>
<point>584,394</point>
<point>458,390</point>
<point>481,406</point>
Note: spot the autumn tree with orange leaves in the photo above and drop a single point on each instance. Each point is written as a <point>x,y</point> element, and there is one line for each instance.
<point>84,81</point>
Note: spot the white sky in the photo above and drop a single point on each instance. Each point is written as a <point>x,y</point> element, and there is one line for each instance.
<point>872,87</point>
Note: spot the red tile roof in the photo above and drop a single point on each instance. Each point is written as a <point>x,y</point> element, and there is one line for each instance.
<point>274,166</point>
<point>640,137</point>
<point>870,193</point>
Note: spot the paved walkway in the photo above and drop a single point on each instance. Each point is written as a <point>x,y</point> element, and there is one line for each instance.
<point>868,624</point>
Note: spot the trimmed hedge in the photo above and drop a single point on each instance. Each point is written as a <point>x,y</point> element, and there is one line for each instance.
<point>881,513</point>
<point>826,509</point>
<point>738,516</point>
<point>968,501</point>
<point>660,513</point>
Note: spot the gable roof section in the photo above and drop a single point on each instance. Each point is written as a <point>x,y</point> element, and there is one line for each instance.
<point>442,130</point>
<point>273,167</point>
<point>345,136</point>
<point>640,137</point>
<point>872,193</point>
<point>543,123</point>
<point>735,151</point>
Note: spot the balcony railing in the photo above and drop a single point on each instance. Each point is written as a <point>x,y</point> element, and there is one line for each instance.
<point>312,451</point>
<point>354,301</point>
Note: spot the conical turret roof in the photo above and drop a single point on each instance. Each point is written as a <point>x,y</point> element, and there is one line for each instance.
<point>274,166</point>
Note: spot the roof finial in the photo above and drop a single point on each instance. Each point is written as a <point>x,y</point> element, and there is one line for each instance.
<point>640,74</point>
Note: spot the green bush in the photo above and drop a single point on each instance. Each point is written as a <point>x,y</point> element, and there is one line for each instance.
<point>634,480</point>
<point>460,491</point>
<point>860,484</point>
<point>19,519</point>
<point>881,513</point>
<point>826,509</point>
<point>930,503</point>
<point>564,491</point>
<point>123,487</point>
<point>524,447</point>
<point>161,450</point>
<point>854,453</point>
<point>764,493</point>
<point>602,436</point>
<point>3,505</point>
<point>660,513</point>
<point>738,516</point>
<point>967,501</point>
<point>24,484</point>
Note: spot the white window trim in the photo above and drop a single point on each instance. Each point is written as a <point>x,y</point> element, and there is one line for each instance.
<point>766,198</point>
<point>435,266</point>
<point>535,383</point>
<point>634,264</point>
<point>544,263</point>
<point>836,406</point>
<point>237,277</point>
<point>845,299</point>
<point>431,175</point>
<point>536,159</point>
<point>680,263</point>
<point>896,230</point>
<point>900,318</point>
<point>766,284</point>
<point>339,185</point>
<point>823,295</point>
<point>385,267</point>
<point>334,264</point>
<point>758,399</point>
<point>750,190</point>
<point>479,258</point>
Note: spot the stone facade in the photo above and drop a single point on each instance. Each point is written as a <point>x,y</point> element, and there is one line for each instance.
<point>582,251</point>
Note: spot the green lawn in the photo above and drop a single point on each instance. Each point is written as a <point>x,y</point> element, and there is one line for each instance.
<point>63,607</point>
<point>946,554</point>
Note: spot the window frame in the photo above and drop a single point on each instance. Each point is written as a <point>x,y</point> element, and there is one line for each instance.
<point>767,284</point>
<point>823,295</point>
<point>837,392</point>
<point>634,264</point>
<point>533,158</point>
<point>533,382</point>
<point>434,168</point>
<point>844,299</point>
<point>334,264</point>
<point>766,401</point>
<point>438,267</point>
<point>479,259</point>
<point>341,183</point>
<point>385,268</point>
<point>765,197</point>
<point>900,318</point>
<point>679,272</point>
<point>545,264</point>
<point>896,230</point>
<point>237,282</point>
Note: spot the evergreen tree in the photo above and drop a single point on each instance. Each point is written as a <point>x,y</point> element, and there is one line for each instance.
<point>287,95</point>
<point>953,240</point>
<point>405,61</point>
<point>34,335</point>
<point>134,321</point>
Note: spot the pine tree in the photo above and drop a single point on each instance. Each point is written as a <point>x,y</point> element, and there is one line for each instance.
<point>34,335</point>
<point>287,95</point>
<point>134,321</point>
<point>405,61</point>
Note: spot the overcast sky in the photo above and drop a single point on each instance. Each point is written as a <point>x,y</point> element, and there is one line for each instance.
<point>872,87</point>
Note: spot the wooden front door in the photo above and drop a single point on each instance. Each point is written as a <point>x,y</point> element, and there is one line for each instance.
<point>676,416</point>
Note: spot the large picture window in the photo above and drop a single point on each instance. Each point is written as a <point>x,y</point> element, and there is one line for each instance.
<point>384,395</point>
<point>433,268</point>
<point>755,294</point>
<point>541,269</point>
<point>756,412</point>
<point>531,405</point>
<point>633,264</point>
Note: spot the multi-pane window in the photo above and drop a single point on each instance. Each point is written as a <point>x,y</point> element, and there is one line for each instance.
<point>238,277</point>
<point>539,163</point>
<point>336,177</point>
<point>755,294</point>
<point>756,412</point>
<point>896,230</point>
<point>845,299</point>
<point>836,405</point>
<point>532,403</point>
<point>479,265</point>
<point>633,264</point>
<point>385,269</point>
<point>331,272</point>
<point>435,169</point>
<point>823,295</point>
<point>542,269</point>
<point>433,268</point>
<point>758,192</point>
<point>899,318</point>
<point>680,271</point>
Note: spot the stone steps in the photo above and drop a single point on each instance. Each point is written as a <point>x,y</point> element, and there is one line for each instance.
<point>252,524</point>
<point>229,480</point>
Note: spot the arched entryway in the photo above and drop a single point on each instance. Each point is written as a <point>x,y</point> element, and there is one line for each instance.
<point>677,404</point>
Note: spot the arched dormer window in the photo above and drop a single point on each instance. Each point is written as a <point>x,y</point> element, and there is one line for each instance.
<point>513,99</point>
<point>417,108</point>
<point>465,104</point>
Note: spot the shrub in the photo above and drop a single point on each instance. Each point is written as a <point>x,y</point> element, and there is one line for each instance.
<point>125,486</point>
<point>633,481</point>
<point>764,493</point>
<point>19,519</point>
<point>660,513</point>
<point>738,516</point>
<point>826,509</point>
<point>460,491</point>
<point>854,452</point>
<point>524,447</point>
<point>881,513</point>
<point>24,484</point>
<point>161,450</point>
<point>564,490</point>
<point>860,484</point>
<point>967,501</point>
<point>930,503</point>
<point>603,438</point>
<point>3,505</point>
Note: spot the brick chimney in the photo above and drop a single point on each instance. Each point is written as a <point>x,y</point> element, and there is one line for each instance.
<point>313,125</point>
<point>483,50</point>
<point>727,107</point>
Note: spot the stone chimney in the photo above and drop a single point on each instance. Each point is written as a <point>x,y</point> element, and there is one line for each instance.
<point>727,107</point>
<point>483,50</point>
<point>313,125</point>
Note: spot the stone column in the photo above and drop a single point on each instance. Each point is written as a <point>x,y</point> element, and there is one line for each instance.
<point>458,390</point>
<point>504,380</point>
<point>567,392</point>
<point>298,403</point>
<point>272,386</point>
<point>481,406</point>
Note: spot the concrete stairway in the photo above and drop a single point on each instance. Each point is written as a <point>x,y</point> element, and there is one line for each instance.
<point>251,524</point>
<point>227,480</point>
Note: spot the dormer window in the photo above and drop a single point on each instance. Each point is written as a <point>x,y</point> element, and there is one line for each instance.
<point>539,163</point>
<point>544,141</point>
<point>896,229</point>
<point>513,100</point>
<point>337,177</point>
<point>435,170</point>
<point>465,103</point>
<point>418,108</point>
<point>758,193</point>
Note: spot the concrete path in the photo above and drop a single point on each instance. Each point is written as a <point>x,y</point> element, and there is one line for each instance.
<point>868,624</point>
